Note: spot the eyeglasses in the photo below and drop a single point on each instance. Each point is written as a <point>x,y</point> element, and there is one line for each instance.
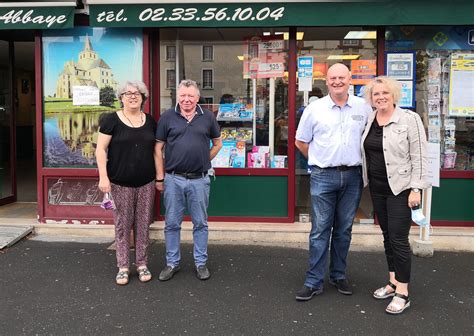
<point>129,94</point>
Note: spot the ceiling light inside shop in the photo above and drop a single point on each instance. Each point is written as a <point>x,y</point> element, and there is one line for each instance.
<point>299,36</point>
<point>343,57</point>
<point>286,36</point>
<point>361,35</point>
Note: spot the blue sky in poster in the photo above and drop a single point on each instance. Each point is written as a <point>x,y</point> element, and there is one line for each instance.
<point>121,49</point>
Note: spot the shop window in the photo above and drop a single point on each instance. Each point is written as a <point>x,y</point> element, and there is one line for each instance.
<point>357,49</point>
<point>207,53</point>
<point>170,53</point>
<point>170,78</point>
<point>443,88</point>
<point>248,86</point>
<point>207,78</point>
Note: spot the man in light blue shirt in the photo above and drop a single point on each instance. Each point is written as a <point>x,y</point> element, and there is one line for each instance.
<point>329,136</point>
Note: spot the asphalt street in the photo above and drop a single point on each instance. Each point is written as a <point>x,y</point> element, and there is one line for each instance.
<point>52,288</point>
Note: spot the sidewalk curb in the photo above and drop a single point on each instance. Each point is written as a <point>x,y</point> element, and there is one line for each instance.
<point>364,236</point>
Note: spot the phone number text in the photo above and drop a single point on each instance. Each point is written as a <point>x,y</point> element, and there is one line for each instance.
<point>192,14</point>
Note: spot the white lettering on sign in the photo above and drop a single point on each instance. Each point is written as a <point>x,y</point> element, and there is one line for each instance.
<point>193,14</point>
<point>85,95</point>
<point>17,17</point>
<point>110,16</point>
<point>273,45</point>
<point>269,70</point>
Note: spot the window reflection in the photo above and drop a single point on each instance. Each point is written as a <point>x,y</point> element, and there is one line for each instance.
<point>243,78</point>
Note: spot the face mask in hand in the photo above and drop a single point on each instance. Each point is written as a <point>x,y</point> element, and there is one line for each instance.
<point>108,203</point>
<point>418,217</point>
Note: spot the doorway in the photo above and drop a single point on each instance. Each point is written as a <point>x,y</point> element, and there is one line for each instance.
<point>18,185</point>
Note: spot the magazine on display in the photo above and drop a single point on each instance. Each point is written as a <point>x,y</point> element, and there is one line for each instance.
<point>259,157</point>
<point>231,155</point>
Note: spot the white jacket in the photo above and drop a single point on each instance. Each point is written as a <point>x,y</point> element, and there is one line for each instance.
<point>404,145</point>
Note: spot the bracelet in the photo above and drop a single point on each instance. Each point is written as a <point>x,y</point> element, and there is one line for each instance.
<point>159,181</point>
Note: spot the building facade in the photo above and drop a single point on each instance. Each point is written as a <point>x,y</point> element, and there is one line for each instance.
<point>258,64</point>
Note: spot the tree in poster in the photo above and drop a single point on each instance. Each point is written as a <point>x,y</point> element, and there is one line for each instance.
<point>107,96</point>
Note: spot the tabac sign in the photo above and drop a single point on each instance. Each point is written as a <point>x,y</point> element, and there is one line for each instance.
<point>36,17</point>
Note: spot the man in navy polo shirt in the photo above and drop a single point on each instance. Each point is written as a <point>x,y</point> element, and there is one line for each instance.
<point>183,135</point>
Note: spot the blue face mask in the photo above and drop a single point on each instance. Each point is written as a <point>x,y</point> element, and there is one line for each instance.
<point>418,217</point>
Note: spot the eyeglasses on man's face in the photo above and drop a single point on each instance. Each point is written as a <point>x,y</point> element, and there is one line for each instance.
<point>129,94</point>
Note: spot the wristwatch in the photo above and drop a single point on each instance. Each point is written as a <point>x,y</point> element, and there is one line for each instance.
<point>416,190</point>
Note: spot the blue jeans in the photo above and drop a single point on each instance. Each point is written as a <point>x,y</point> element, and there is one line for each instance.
<point>181,193</point>
<point>335,197</point>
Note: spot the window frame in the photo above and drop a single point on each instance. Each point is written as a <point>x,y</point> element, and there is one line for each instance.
<point>204,87</point>
<point>204,59</point>
<point>167,54</point>
<point>167,81</point>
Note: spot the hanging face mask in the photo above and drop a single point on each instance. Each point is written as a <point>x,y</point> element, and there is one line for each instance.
<point>108,203</point>
<point>418,217</point>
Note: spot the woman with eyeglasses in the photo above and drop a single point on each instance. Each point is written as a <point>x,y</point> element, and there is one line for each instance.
<point>125,160</point>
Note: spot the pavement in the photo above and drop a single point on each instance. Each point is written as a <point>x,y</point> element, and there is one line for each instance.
<point>68,288</point>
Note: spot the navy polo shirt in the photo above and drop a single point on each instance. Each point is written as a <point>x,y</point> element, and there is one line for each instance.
<point>187,148</point>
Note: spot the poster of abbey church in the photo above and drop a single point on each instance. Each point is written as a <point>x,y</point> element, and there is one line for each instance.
<point>89,63</point>
<point>89,70</point>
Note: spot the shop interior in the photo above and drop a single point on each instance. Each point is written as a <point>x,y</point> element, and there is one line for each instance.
<point>18,186</point>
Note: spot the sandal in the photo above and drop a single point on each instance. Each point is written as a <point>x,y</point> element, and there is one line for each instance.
<point>398,304</point>
<point>144,274</point>
<point>121,278</point>
<point>383,292</point>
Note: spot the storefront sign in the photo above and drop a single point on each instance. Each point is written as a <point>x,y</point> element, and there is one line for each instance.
<point>271,46</point>
<point>270,70</point>
<point>461,88</point>
<point>264,57</point>
<point>172,15</point>
<point>407,99</point>
<point>400,65</point>
<point>305,73</point>
<point>363,71</point>
<point>273,14</point>
<point>433,155</point>
<point>36,18</point>
<point>320,70</point>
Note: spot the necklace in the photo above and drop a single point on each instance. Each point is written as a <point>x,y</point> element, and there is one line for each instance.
<point>141,119</point>
<point>188,117</point>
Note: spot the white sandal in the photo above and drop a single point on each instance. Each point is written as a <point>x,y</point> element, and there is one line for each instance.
<point>144,274</point>
<point>383,292</point>
<point>122,278</point>
<point>398,304</point>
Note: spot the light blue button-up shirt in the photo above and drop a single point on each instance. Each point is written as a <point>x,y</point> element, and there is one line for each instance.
<point>332,132</point>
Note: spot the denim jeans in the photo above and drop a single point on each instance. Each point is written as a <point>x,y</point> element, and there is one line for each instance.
<point>335,197</point>
<point>181,193</point>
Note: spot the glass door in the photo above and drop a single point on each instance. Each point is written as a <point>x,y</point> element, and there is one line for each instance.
<point>7,157</point>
